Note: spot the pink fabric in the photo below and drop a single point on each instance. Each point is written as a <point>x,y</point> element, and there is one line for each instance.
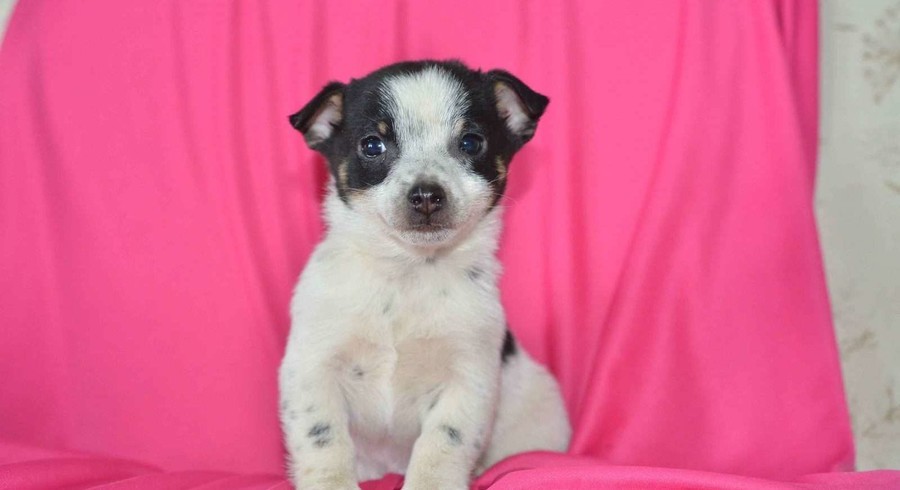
<point>530,471</point>
<point>660,251</point>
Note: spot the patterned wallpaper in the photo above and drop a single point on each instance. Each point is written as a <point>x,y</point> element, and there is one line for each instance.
<point>858,206</point>
<point>5,11</point>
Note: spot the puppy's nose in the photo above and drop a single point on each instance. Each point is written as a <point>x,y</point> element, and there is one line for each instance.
<point>427,198</point>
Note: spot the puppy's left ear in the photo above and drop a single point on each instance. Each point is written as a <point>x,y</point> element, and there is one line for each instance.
<point>518,106</point>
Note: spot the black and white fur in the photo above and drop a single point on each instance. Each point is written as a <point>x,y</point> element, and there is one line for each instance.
<point>399,359</point>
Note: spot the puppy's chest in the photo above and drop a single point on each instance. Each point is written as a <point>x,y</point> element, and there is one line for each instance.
<point>386,386</point>
<point>394,364</point>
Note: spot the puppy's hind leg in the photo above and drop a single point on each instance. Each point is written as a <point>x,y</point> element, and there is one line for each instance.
<point>531,415</point>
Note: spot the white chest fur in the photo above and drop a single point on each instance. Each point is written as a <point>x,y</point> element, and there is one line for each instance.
<point>394,338</point>
<point>383,330</point>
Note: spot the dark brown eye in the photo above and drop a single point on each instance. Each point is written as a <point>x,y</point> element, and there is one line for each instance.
<point>471,144</point>
<point>371,146</point>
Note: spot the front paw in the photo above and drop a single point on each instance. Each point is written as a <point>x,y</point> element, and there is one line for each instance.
<point>430,482</point>
<point>328,481</point>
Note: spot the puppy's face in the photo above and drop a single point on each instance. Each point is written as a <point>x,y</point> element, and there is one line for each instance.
<point>421,148</point>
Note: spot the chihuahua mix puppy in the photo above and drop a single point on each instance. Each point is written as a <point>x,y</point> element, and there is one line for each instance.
<point>399,359</point>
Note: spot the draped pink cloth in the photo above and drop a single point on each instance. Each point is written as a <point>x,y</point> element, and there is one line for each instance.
<point>660,249</point>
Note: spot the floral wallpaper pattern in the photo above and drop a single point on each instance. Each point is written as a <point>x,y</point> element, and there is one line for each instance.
<point>858,209</point>
<point>881,55</point>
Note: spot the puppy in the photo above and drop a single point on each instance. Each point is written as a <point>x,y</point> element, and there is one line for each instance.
<point>399,359</point>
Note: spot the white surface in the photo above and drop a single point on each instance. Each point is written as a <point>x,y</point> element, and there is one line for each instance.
<point>858,207</point>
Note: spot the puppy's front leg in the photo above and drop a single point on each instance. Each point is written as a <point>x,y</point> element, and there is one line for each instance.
<point>314,416</point>
<point>455,427</point>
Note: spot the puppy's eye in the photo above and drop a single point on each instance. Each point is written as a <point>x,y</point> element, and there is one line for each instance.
<point>471,144</point>
<point>372,146</point>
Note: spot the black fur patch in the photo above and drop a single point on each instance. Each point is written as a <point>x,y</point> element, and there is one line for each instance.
<point>509,348</point>
<point>321,434</point>
<point>365,113</point>
<point>453,435</point>
<point>434,402</point>
<point>319,429</point>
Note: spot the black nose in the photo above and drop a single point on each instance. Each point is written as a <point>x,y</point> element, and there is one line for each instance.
<point>427,198</point>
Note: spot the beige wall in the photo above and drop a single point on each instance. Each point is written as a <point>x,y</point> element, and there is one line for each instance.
<point>5,9</point>
<point>858,205</point>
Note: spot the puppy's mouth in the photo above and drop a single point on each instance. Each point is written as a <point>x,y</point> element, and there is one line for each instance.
<point>433,223</point>
<point>428,226</point>
<point>426,232</point>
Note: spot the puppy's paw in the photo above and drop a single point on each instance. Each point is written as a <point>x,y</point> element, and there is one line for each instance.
<point>345,485</point>
<point>328,481</point>
<point>434,486</point>
<point>339,486</point>
<point>418,482</point>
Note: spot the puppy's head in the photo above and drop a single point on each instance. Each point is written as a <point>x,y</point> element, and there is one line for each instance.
<point>422,148</point>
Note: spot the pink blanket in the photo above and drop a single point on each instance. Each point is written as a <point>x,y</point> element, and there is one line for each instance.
<point>660,250</point>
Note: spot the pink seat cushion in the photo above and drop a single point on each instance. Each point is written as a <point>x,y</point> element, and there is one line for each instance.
<point>660,252</point>
<point>530,471</point>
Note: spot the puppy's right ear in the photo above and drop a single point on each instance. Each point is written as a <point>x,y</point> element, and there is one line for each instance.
<point>321,117</point>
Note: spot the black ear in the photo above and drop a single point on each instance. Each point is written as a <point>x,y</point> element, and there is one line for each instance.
<point>322,116</point>
<point>518,105</point>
